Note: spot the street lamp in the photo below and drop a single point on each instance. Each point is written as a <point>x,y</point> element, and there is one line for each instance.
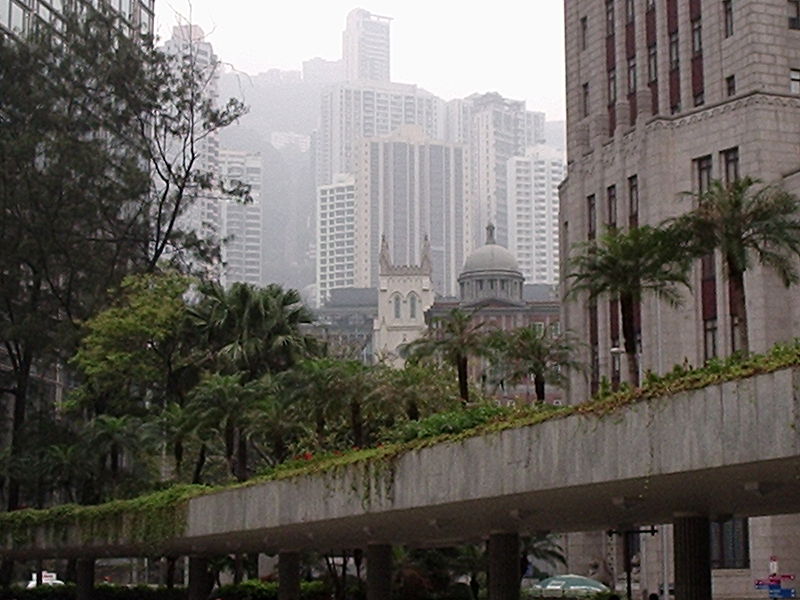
<point>617,352</point>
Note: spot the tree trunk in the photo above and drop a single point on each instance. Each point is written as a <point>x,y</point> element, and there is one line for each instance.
<point>170,574</point>
<point>737,306</point>
<point>241,455</point>
<point>412,410</point>
<point>627,308</point>
<point>356,424</point>
<point>198,466</point>
<point>538,385</point>
<point>463,384</point>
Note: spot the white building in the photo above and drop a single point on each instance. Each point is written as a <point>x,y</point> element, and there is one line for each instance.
<point>405,292</point>
<point>241,227</point>
<point>497,129</point>
<point>335,247</point>
<point>365,46</point>
<point>410,188</point>
<point>204,214</point>
<point>355,110</point>
<point>533,182</point>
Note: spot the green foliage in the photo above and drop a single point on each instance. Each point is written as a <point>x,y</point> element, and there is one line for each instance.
<point>456,421</point>
<point>253,589</point>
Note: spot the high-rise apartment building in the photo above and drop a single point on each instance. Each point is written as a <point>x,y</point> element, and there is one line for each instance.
<point>204,214</point>
<point>21,16</point>
<point>241,227</point>
<point>533,182</point>
<point>355,110</point>
<point>365,46</point>
<point>335,248</point>
<point>664,96</point>
<point>409,188</point>
<point>496,129</point>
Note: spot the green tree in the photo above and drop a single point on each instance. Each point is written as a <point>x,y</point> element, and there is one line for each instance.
<point>79,210</point>
<point>744,221</point>
<point>453,339</point>
<point>533,352</point>
<point>626,265</point>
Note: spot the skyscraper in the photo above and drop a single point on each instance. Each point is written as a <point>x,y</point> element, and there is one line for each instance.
<point>365,46</point>
<point>662,98</point>
<point>533,182</point>
<point>410,187</point>
<point>355,110</point>
<point>336,222</point>
<point>241,224</point>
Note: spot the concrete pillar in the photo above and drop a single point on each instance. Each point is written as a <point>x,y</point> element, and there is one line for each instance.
<point>692,554</point>
<point>84,573</point>
<point>379,572</point>
<point>504,566</point>
<point>289,576</point>
<point>199,579</point>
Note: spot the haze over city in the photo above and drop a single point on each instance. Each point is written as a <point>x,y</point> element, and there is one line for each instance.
<point>452,50</point>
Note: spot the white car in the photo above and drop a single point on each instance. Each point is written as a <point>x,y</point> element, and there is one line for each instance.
<point>48,578</point>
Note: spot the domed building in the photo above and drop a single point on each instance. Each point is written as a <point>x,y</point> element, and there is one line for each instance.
<point>492,288</point>
<point>491,275</point>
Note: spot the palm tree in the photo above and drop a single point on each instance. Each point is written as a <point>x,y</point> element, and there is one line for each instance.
<point>534,351</point>
<point>454,339</point>
<point>250,329</point>
<point>626,265</point>
<point>743,222</point>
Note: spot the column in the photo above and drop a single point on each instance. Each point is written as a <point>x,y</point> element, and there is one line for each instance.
<point>379,572</point>
<point>199,580</point>
<point>289,576</point>
<point>692,554</point>
<point>504,566</point>
<point>84,579</point>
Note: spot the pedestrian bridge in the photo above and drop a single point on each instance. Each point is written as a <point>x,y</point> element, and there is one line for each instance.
<point>731,448</point>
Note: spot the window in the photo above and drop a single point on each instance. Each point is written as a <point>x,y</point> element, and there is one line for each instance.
<point>730,164</point>
<point>651,4</point>
<point>611,197</point>
<point>699,98</point>
<point>794,14</point>
<point>674,51</point>
<point>412,306</point>
<point>727,17</point>
<point>633,201</point>
<point>612,86</point>
<point>609,17</point>
<point>652,63</point>
<point>730,85</point>
<point>591,217</point>
<point>632,75</point>
<point>730,547</point>
<point>397,307</point>
<point>702,167</point>
<point>585,99</point>
<point>697,37</point>
<point>629,11</point>
<point>584,32</point>
<point>794,83</point>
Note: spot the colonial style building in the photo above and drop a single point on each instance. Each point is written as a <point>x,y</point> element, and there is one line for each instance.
<point>662,97</point>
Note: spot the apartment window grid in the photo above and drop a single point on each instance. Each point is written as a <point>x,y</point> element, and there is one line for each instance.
<point>697,37</point>
<point>794,81</point>
<point>674,51</point>
<point>630,12</point>
<point>703,170</point>
<point>612,86</point>
<point>727,17</point>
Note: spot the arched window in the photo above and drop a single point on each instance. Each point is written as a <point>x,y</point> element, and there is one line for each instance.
<point>412,306</point>
<point>397,307</point>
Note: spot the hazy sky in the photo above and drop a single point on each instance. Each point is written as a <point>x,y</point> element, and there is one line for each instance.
<point>450,48</point>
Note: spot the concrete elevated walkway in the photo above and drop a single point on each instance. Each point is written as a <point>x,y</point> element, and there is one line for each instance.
<point>732,448</point>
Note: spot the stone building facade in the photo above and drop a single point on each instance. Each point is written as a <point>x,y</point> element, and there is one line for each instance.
<point>662,97</point>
